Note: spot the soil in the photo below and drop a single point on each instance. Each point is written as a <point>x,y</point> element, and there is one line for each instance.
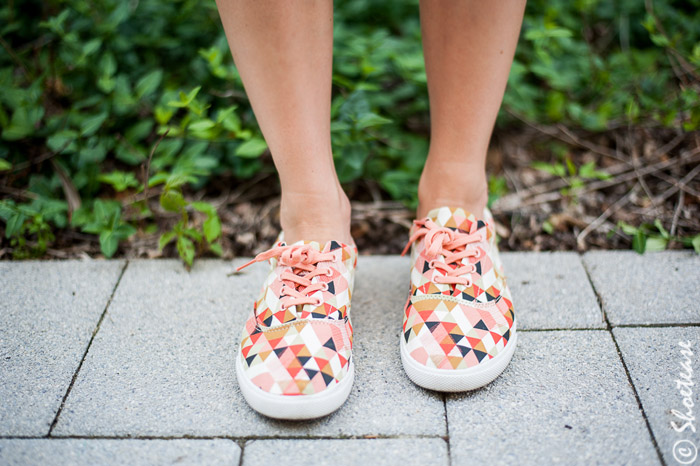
<point>653,176</point>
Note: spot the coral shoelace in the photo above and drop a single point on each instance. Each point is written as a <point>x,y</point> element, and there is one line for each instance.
<point>296,283</point>
<point>451,244</point>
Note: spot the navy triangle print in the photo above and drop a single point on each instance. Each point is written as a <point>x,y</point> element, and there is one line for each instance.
<point>479,355</point>
<point>481,325</point>
<point>330,344</point>
<point>327,378</point>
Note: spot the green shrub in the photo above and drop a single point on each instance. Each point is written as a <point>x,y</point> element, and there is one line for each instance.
<point>123,97</point>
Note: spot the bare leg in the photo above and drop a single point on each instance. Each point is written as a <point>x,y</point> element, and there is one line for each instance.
<point>469,47</point>
<point>284,53</point>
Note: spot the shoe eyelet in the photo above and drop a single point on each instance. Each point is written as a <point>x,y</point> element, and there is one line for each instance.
<point>324,287</point>
<point>318,302</point>
<point>329,272</point>
<point>473,268</point>
<point>431,264</point>
<point>478,253</point>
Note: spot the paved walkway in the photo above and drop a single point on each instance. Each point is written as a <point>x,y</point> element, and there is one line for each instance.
<point>109,362</point>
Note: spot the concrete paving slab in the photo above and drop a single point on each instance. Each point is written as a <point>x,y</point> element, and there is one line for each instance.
<point>664,364</point>
<point>163,361</point>
<point>88,452</point>
<point>349,452</point>
<point>551,291</point>
<point>564,399</point>
<point>48,311</point>
<point>654,288</point>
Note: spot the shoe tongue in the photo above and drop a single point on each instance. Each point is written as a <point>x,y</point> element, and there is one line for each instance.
<point>313,244</point>
<point>452,217</point>
<point>328,247</point>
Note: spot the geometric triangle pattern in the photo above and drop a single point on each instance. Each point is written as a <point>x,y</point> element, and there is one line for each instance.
<point>305,348</point>
<point>455,325</point>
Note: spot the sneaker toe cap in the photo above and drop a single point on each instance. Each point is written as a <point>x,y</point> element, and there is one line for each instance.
<point>446,334</point>
<point>300,359</point>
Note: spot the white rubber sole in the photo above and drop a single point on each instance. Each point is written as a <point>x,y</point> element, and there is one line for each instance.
<point>457,380</point>
<point>295,407</point>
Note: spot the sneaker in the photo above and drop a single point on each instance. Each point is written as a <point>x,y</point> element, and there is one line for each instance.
<point>459,325</point>
<point>295,354</point>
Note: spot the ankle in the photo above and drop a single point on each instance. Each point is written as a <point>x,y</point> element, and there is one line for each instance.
<point>316,215</point>
<point>466,190</point>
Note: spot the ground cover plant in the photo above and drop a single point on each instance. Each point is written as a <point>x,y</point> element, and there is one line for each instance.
<point>126,130</point>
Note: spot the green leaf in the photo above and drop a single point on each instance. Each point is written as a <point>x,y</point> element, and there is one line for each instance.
<point>91,124</point>
<point>176,180</point>
<point>185,248</point>
<point>229,119</point>
<point>4,165</point>
<point>639,241</point>
<point>149,83</point>
<point>23,123</point>
<point>91,46</point>
<point>14,224</point>
<point>655,243</point>
<point>185,99</point>
<point>124,230</point>
<point>216,249</point>
<point>696,243</point>
<point>108,65</point>
<point>548,227</point>
<point>165,238</point>
<point>204,207</point>
<point>553,169</point>
<point>108,243</point>
<point>212,228</point>
<point>589,171</point>
<point>163,114</point>
<point>251,148</point>
<point>537,34</point>
<point>627,228</point>
<point>369,120</point>
<point>119,180</point>
<point>571,167</point>
<point>172,200</point>
<point>201,125</point>
<point>64,139</point>
<point>158,178</point>
<point>659,226</point>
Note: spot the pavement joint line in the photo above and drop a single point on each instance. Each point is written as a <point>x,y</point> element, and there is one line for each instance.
<point>87,349</point>
<point>447,429</point>
<point>240,440</point>
<point>658,325</point>
<point>598,298</point>
<point>241,445</point>
<point>636,396</point>
<point>624,366</point>
<point>563,329</point>
<point>586,329</point>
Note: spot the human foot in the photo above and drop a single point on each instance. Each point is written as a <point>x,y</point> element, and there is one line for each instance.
<point>295,358</point>
<point>459,328</point>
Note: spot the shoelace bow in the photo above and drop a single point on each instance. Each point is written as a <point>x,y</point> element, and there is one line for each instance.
<point>451,244</point>
<point>296,284</point>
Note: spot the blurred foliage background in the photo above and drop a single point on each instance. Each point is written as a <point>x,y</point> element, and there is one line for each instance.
<point>122,120</point>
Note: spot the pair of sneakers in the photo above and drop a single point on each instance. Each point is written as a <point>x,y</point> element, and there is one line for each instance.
<point>295,359</point>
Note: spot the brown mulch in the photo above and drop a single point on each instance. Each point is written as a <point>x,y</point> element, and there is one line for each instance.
<point>654,176</point>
